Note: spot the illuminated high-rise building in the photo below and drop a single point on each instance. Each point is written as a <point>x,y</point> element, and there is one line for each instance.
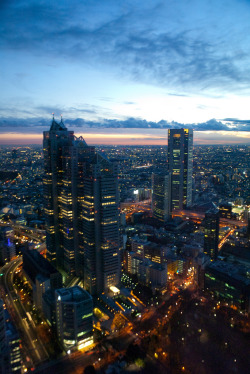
<point>180,165</point>
<point>211,233</point>
<point>54,143</point>
<point>82,209</point>
<point>74,317</point>
<point>161,196</point>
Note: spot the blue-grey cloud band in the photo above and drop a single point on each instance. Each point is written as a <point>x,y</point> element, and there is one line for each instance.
<point>37,125</point>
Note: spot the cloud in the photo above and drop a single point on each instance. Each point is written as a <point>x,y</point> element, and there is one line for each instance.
<point>142,42</point>
<point>34,125</point>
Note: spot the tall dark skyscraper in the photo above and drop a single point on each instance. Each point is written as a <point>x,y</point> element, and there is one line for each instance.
<point>82,209</point>
<point>211,235</point>
<point>161,196</point>
<point>180,165</point>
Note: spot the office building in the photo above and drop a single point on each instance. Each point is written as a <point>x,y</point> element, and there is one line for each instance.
<point>226,210</point>
<point>82,209</point>
<point>161,196</point>
<point>180,165</point>
<point>74,317</point>
<point>211,233</point>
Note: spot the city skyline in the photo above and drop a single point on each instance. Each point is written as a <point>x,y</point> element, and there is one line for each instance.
<point>133,137</point>
<point>141,67</point>
<point>91,212</point>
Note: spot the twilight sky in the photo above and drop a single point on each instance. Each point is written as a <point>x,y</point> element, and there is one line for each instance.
<point>123,71</point>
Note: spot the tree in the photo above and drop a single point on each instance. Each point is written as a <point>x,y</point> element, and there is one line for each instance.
<point>118,322</point>
<point>89,370</point>
<point>140,363</point>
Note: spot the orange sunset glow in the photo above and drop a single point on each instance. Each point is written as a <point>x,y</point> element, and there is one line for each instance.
<point>137,137</point>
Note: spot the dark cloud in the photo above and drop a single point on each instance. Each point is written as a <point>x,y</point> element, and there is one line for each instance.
<point>35,124</point>
<point>237,121</point>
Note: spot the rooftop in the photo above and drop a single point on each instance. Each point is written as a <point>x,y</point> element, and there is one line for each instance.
<point>238,272</point>
<point>73,294</point>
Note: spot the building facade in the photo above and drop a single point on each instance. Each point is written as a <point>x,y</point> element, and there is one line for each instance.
<point>161,196</point>
<point>229,282</point>
<point>211,233</point>
<point>74,317</point>
<point>180,165</point>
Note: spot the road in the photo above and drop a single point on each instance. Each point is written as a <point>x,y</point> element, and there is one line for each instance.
<point>36,353</point>
<point>222,242</point>
<point>192,215</point>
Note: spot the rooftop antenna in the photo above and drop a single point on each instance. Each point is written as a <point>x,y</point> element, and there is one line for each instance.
<point>61,118</point>
<point>53,114</point>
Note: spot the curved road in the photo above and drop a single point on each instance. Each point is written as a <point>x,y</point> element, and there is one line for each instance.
<point>36,352</point>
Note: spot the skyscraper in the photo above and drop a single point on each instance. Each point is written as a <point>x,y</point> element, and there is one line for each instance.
<point>82,209</point>
<point>54,143</point>
<point>211,235</point>
<point>161,196</point>
<point>180,165</point>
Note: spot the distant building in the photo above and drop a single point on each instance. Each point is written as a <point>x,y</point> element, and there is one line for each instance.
<point>211,233</point>
<point>161,196</point>
<point>226,210</point>
<point>74,317</point>
<point>199,263</point>
<point>154,252</point>
<point>148,272</point>
<point>132,260</point>
<point>152,274</point>
<point>7,246</point>
<point>180,165</point>
<point>14,154</point>
<point>138,246</point>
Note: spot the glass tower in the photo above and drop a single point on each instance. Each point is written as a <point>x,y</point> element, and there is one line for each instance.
<point>180,165</point>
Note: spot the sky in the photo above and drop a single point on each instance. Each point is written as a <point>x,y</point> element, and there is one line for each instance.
<point>124,71</point>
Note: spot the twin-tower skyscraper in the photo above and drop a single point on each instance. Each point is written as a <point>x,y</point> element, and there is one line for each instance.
<point>81,209</point>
